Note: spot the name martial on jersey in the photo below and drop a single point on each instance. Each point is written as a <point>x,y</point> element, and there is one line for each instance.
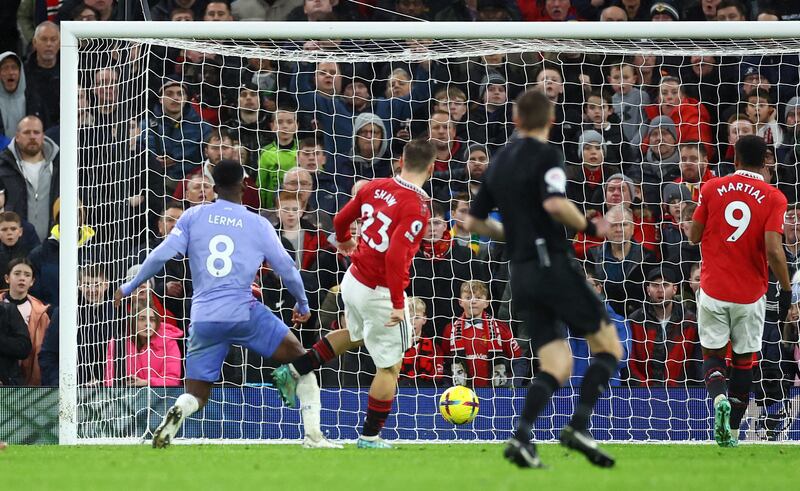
<point>756,193</point>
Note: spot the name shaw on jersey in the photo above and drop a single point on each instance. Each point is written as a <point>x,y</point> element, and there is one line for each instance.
<point>744,187</point>
<point>227,221</point>
<point>385,196</point>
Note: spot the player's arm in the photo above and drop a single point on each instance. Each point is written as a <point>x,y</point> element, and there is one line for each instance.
<point>478,221</point>
<point>566,213</point>
<point>698,221</point>
<point>284,266</point>
<point>776,257</point>
<point>174,244</point>
<point>341,225</point>
<point>553,188</point>
<point>403,244</point>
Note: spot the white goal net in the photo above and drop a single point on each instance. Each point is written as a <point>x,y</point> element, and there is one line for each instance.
<point>642,124</point>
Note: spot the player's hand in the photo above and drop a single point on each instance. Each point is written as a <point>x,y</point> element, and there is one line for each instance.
<point>118,296</point>
<point>784,304</point>
<point>602,226</point>
<point>299,318</point>
<point>396,317</point>
<point>174,289</point>
<point>347,247</point>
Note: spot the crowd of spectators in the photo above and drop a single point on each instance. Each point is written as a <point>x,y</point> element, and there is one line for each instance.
<point>640,133</point>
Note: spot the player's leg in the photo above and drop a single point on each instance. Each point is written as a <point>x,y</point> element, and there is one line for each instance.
<point>204,358</point>
<point>379,406</point>
<point>331,346</point>
<point>714,328</point>
<point>741,380</point>
<point>268,336</point>
<point>586,315</point>
<point>539,321</point>
<point>367,312</point>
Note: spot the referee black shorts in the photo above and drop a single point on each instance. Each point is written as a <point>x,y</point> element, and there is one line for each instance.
<point>548,299</point>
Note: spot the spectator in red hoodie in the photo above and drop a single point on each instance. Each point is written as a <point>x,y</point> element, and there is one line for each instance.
<point>692,121</point>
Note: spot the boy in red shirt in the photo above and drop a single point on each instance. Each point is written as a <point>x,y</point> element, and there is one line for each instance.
<point>481,347</point>
<point>423,363</point>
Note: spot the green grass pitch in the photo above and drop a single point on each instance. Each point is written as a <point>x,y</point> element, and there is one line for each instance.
<point>407,468</point>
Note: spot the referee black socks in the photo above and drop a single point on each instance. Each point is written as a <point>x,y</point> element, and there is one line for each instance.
<point>594,383</point>
<point>539,393</point>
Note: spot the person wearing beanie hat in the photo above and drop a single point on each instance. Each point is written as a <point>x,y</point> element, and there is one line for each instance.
<point>664,10</point>
<point>599,115</point>
<point>586,177</point>
<point>495,114</point>
<point>591,139</point>
<point>660,161</point>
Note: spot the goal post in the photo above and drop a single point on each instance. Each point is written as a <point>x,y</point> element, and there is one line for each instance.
<point>639,414</point>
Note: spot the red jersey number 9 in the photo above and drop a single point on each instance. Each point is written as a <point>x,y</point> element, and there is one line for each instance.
<point>740,221</point>
<point>368,212</point>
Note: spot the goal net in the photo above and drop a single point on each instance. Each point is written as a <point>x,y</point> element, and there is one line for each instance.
<point>643,120</point>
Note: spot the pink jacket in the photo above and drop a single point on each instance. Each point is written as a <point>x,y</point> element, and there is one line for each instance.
<point>159,363</point>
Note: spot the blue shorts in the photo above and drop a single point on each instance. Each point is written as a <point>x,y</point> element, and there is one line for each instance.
<point>209,342</point>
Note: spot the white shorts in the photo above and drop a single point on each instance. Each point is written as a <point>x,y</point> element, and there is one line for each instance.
<point>366,311</point>
<point>719,321</point>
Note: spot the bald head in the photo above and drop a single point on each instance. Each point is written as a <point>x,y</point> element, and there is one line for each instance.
<point>30,138</point>
<point>46,42</point>
<point>613,14</point>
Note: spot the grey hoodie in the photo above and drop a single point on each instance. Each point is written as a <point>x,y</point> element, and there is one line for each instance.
<point>362,120</point>
<point>630,109</point>
<point>39,199</point>
<point>12,104</point>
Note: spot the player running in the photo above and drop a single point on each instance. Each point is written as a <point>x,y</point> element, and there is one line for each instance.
<point>395,213</point>
<point>739,225</point>
<point>226,245</point>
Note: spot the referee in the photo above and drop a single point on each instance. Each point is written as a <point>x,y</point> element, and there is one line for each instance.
<point>526,182</point>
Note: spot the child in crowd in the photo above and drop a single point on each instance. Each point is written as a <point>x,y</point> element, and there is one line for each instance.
<point>480,348</point>
<point>148,355</point>
<point>423,363</point>
<point>20,279</point>
<point>764,114</point>
<point>14,242</point>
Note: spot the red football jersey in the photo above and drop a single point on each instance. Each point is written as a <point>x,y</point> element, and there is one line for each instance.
<point>395,217</point>
<point>737,210</point>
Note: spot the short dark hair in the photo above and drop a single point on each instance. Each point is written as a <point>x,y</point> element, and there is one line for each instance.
<point>418,155</point>
<point>750,151</point>
<point>699,146</point>
<point>94,270</point>
<point>173,204</point>
<point>309,141</point>
<point>762,94</point>
<point>724,4</point>
<point>10,216</point>
<point>534,110</point>
<point>463,196</point>
<point>438,210</point>
<point>21,260</point>
<point>227,174</point>
<point>180,10</point>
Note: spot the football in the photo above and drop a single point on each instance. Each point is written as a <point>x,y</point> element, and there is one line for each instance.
<point>458,405</point>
